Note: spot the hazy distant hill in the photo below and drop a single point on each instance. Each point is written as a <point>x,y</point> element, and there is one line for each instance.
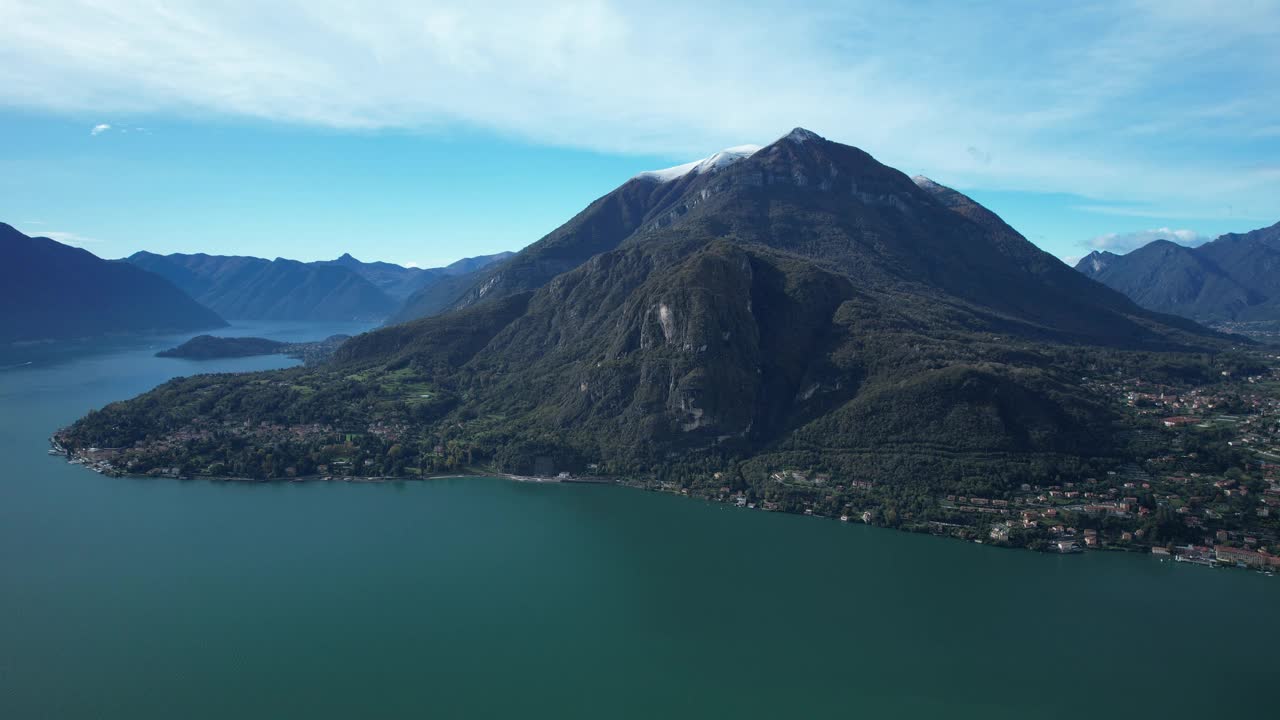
<point>436,296</point>
<point>400,282</point>
<point>397,281</point>
<point>472,264</point>
<point>413,287</point>
<point>250,288</point>
<point>1234,278</point>
<point>53,291</point>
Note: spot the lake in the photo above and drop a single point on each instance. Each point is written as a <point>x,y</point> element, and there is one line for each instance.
<point>130,598</point>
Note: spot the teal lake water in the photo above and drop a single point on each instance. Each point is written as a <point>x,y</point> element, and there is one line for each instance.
<point>479,597</point>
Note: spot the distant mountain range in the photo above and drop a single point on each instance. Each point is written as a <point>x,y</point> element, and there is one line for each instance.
<point>250,288</point>
<point>401,282</point>
<point>1235,278</point>
<point>797,306</point>
<point>51,291</point>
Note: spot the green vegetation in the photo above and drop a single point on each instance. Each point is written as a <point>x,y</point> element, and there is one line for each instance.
<point>807,330</point>
<point>208,347</point>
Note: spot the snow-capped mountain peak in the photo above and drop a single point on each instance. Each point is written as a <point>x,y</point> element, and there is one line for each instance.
<point>725,157</point>
<point>924,183</point>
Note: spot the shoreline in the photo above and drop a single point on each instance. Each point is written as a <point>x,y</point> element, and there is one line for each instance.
<point>104,467</point>
<point>1190,554</point>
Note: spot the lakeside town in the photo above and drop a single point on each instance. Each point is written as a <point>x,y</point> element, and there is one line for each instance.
<point>1202,484</point>
<point>1204,488</point>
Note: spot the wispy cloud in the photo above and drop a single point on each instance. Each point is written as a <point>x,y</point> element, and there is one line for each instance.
<point>994,96</point>
<point>99,129</point>
<point>69,238</point>
<point>1126,241</point>
<point>1163,212</point>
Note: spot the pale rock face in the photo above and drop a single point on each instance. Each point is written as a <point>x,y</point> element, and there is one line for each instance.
<point>667,321</point>
<point>924,183</point>
<point>489,285</point>
<point>697,420</point>
<point>695,416</point>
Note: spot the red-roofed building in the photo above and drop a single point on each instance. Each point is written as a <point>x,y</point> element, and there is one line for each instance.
<point>1250,558</point>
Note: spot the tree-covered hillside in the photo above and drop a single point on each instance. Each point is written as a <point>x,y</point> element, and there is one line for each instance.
<point>802,307</point>
<point>1234,278</point>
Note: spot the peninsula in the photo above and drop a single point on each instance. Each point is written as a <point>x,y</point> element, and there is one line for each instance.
<point>210,347</point>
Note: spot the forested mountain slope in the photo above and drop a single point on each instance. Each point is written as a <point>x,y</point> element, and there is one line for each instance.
<point>1234,278</point>
<point>799,305</point>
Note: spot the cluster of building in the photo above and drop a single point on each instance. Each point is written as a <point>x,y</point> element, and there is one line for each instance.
<point>1220,555</point>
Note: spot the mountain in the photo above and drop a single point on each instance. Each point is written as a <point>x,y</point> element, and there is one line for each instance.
<point>250,288</point>
<point>1253,260</point>
<point>600,227</point>
<point>1234,278</point>
<point>1172,278</point>
<point>435,297</point>
<point>444,285</point>
<point>748,193</point>
<point>53,291</point>
<point>798,306</point>
<point>402,282</point>
<point>469,265</point>
<point>397,281</point>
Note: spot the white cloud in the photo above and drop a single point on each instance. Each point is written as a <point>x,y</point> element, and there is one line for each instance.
<point>1124,242</point>
<point>928,88</point>
<point>1225,211</point>
<point>99,129</point>
<point>68,238</point>
<point>410,264</point>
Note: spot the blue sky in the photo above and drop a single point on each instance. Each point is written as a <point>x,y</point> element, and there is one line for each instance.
<point>424,132</point>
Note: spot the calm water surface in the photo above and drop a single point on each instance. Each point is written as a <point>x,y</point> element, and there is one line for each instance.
<point>138,599</point>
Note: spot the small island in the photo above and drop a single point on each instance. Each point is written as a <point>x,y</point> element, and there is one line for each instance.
<point>211,347</point>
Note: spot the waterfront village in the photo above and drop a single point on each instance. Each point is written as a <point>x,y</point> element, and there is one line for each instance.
<point>1203,485</point>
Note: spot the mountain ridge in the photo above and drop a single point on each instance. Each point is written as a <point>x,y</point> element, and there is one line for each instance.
<point>52,291</point>
<point>253,288</point>
<point>642,205</point>
<point>1235,277</point>
<point>803,306</point>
